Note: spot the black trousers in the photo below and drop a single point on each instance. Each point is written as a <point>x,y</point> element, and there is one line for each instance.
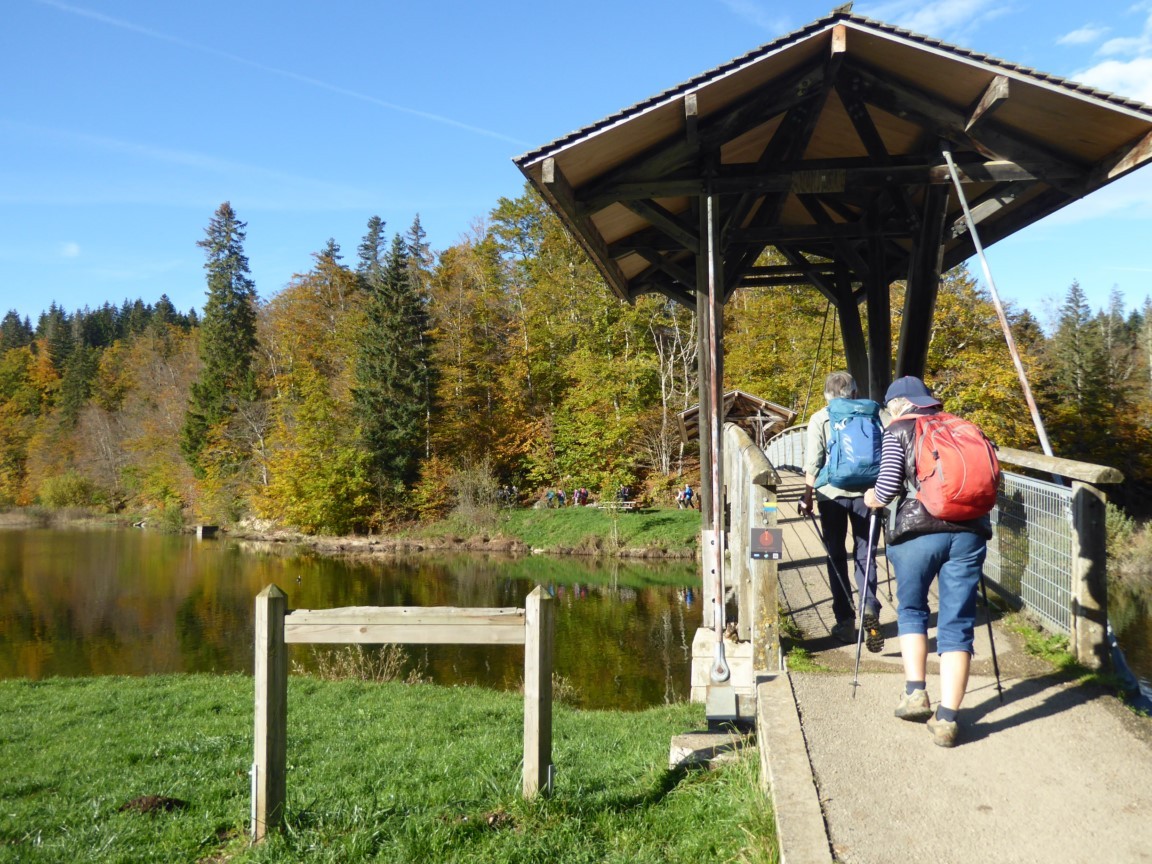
<point>836,516</point>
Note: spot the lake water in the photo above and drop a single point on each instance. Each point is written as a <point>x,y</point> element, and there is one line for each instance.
<point>103,602</point>
<point>106,602</point>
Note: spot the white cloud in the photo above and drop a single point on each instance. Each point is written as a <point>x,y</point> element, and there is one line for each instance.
<point>945,19</point>
<point>70,250</point>
<point>754,13</point>
<point>1131,79</point>
<point>1082,36</point>
<point>1127,199</point>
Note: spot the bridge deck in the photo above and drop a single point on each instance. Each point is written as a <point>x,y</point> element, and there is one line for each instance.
<point>1058,772</point>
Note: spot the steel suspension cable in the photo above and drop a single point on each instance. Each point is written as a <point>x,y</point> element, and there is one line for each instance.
<point>1039,424</point>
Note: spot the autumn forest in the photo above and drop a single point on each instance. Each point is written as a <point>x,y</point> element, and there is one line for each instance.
<point>393,383</point>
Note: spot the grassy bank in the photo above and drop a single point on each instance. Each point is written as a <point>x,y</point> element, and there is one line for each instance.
<point>584,529</point>
<point>377,772</point>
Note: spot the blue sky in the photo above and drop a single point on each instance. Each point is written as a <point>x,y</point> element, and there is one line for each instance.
<point>125,123</point>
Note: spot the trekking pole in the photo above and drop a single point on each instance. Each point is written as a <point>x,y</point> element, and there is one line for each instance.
<point>991,641</point>
<point>860,629</point>
<point>831,564</point>
<point>888,570</point>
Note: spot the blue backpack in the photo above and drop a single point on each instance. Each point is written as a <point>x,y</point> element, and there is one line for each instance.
<point>854,436</point>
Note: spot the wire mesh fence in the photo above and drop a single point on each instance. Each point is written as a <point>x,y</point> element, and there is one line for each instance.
<point>1030,554</point>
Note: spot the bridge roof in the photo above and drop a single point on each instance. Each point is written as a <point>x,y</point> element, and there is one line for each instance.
<point>827,144</point>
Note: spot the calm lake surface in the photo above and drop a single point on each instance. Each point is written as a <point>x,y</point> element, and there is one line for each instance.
<point>107,602</point>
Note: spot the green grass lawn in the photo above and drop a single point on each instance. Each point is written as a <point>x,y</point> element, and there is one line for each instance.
<point>376,772</point>
<point>593,529</point>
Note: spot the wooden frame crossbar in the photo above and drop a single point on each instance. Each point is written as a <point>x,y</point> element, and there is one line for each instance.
<point>531,627</point>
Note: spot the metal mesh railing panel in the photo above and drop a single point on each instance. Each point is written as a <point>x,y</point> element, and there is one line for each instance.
<point>1030,554</point>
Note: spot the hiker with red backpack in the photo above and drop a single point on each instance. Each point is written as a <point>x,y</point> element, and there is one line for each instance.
<point>938,477</point>
<point>842,459</point>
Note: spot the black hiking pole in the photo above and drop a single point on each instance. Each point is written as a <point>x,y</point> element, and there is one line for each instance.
<point>991,641</point>
<point>860,629</point>
<point>831,564</point>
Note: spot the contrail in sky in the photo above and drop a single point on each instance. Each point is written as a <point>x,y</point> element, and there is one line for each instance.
<point>283,73</point>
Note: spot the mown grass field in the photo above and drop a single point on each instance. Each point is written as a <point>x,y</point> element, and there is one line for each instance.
<point>376,772</point>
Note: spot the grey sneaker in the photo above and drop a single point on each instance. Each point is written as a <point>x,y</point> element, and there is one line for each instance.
<point>844,631</point>
<point>914,707</point>
<point>944,732</point>
<point>873,637</point>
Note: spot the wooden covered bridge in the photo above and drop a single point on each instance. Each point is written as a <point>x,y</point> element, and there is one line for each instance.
<point>863,154</point>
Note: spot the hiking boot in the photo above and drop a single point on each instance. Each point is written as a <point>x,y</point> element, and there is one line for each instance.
<point>914,707</point>
<point>873,637</point>
<point>845,632</point>
<point>943,731</point>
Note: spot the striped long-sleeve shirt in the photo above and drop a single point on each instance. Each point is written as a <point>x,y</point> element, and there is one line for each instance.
<point>890,484</point>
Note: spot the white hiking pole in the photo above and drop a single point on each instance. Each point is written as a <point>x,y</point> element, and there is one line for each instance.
<point>863,590</point>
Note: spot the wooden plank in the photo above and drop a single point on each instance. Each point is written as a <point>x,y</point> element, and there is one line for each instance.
<point>1084,471</point>
<point>407,615</point>
<point>270,737</point>
<point>438,633</point>
<point>538,648</point>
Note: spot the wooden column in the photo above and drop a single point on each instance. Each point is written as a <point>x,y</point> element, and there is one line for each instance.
<point>271,726</point>
<point>851,330</point>
<point>923,284</point>
<point>539,616</point>
<point>1089,576</point>
<point>703,415</point>
<point>879,326</point>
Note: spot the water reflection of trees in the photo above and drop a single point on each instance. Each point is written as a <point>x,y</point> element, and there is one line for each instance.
<point>85,603</point>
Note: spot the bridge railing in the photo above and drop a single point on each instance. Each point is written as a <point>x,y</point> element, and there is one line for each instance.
<point>1048,552</point>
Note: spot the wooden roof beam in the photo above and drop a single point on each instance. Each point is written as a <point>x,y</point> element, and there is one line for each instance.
<point>559,190</point>
<point>666,222</point>
<point>712,131</point>
<point>869,136</point>
<point>666,265</point>
<point>994,96</point>
<point>844,249</point>
<point>831,175</point>
<point>905,101</point>
<point>990,203</point>
<point>797,126</point>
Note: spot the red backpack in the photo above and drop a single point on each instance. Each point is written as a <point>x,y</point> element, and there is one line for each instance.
<point>957,471</point>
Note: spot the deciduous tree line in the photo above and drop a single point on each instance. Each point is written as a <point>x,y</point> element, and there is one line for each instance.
<point>392,387</point>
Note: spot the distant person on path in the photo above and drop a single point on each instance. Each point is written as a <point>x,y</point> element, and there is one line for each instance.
<point>688,496</point>
<point>551,496</point>
<point>921,548</point>
<point>841,508</point>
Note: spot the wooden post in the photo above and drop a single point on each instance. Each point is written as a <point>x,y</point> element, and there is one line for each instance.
<point>1089,576</point>
<point>539,614</point>
<point>765,605</point>
<point>271,728</point>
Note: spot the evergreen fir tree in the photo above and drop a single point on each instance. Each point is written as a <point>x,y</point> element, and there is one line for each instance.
<point>227,335</point>
<point>15,332</point>
<point>371,255</point>
<point>392,369</point>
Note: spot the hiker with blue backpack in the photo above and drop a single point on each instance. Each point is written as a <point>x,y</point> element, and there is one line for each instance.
<point>939,477</point>
<point>842,461</point>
